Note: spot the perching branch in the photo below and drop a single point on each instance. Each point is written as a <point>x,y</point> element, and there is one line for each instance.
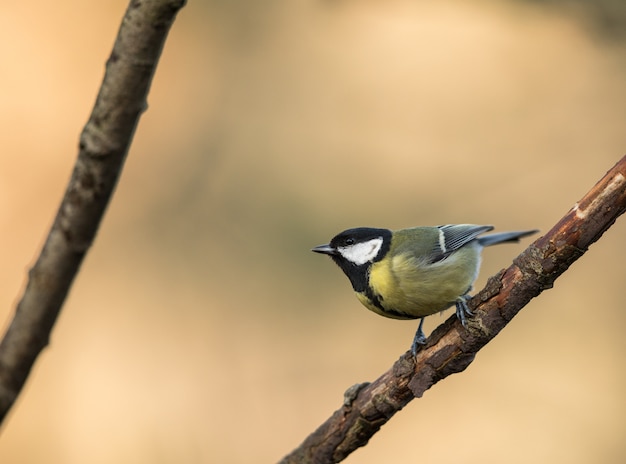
<point>451,348</point>
<point>104,142</point>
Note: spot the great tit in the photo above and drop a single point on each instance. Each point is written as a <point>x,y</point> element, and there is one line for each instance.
<point>413,273</point>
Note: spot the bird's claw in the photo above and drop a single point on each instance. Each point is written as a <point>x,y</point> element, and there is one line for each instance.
<point>462,310</point>
<point>419,339</point>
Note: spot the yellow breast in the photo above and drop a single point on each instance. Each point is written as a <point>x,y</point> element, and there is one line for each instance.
<point>407,287</point>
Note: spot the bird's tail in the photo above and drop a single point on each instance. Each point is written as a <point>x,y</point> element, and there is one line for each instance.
<point>504,237</point>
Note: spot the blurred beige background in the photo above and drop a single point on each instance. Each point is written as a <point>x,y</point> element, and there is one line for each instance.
<point>202,330</point>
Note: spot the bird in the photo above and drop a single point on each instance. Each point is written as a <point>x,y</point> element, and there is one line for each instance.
<point>415,272</point>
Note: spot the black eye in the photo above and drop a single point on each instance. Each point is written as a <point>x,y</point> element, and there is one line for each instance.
<point>350,241</point>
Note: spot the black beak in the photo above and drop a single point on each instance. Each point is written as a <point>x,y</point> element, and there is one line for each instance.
<point>325,250</point>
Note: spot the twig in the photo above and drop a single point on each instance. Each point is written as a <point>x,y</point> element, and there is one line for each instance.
<point>451,348</point>
<point>104,142</point>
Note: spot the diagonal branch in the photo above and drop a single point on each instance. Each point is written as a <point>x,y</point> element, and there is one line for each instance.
<point>104,142</point>
<point>451,348</point>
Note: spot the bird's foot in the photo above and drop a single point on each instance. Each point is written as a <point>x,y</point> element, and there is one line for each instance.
<point>419,339</point>
<point>462,310</point>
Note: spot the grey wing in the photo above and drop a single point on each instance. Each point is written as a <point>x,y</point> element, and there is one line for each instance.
<point>454,236</point>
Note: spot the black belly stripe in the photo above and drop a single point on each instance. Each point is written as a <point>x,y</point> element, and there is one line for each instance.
<point>399,314</point>
<point>376,300</point>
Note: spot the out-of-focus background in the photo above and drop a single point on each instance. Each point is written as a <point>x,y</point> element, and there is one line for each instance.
<point>201,328</point>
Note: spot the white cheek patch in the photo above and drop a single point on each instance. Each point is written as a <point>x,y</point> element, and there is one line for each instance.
<point>361,253</point>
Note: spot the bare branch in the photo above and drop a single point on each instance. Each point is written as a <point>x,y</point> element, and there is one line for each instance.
<point>451,348</point>
<point>104,143</point>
